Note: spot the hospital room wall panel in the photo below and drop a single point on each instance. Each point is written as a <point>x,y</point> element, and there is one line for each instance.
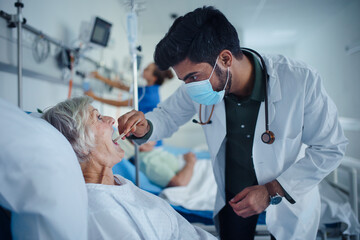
<point>8,87</point>
<point>36,93</point>
<point>41,94</point>
<point>286,49</point>
<point>325,49</point>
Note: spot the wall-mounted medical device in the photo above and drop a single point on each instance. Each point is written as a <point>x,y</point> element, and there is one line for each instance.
<point>95,32</point>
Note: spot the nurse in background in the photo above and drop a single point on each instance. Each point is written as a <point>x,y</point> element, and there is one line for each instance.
<point>149,96</point>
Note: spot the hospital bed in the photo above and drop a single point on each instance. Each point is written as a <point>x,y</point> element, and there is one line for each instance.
<point>201,218</point>
<point>347,187</point>
<point>334,226</point>
<point>36,131</point>
<point>126,169</point>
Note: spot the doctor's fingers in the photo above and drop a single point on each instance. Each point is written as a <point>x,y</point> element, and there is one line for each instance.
<point>247,208</point>
<point>247,212</point>
<point>251,200</point>
<point>240,196</point>
<point>240,205</point>
<point>127,121</point>
<point>123,121</point>
<point>139,128</point>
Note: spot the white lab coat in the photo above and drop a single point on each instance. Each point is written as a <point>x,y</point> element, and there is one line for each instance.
<point>300,112</point>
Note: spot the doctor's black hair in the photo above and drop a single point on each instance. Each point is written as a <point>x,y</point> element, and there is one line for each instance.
<point>199,35</point>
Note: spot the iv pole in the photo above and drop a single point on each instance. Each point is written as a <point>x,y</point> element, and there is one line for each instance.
<point>19,5</point>
<point>132,36</point>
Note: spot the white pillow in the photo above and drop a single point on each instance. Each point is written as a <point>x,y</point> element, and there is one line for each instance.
<point>40,179</point>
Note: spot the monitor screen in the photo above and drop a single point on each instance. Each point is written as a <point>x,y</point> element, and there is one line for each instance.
<point>101,32</point>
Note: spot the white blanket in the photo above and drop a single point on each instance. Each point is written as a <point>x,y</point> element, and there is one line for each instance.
<point>199,194</point>
<point>127,212</point>
<point>335,207</point>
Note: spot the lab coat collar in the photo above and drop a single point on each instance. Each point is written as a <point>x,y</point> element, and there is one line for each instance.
<point>216,131</point>
<point>274,88</point>
<point>219,112</point>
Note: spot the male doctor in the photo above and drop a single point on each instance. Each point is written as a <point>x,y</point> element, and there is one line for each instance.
<point>228,87</point>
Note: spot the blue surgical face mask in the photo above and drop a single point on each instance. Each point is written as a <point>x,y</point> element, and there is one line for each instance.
<point>202,91</point>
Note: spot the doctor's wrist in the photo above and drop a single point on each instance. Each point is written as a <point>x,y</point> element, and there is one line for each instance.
<point>145,138</point>
<point>274,188</point>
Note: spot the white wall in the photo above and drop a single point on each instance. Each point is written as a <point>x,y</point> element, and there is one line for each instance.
<point>324,48</point>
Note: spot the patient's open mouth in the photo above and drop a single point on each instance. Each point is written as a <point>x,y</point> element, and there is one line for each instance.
<point>115,140</point>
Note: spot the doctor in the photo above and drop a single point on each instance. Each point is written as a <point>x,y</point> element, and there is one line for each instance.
<point>256,112</point>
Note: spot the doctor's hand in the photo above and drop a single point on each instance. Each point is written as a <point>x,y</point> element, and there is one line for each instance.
<point>250,201</point>
<point>133,122</point>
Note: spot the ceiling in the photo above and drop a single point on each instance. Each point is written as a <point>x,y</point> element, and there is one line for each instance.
<point>278,22</point>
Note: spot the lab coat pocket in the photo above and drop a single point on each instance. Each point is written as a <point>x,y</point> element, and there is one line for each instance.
<point>286,151</point>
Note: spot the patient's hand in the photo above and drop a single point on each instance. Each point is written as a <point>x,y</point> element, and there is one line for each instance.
<point>147,147</point>
<point>183,177</point>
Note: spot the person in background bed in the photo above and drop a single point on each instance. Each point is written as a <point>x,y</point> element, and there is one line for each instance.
<point>117,208</point>
<point>163,168</point>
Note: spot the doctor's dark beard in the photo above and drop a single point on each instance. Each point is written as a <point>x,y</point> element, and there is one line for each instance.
<point>222,77</point>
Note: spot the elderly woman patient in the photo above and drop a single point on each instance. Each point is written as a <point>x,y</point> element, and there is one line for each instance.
<point>117,208</point>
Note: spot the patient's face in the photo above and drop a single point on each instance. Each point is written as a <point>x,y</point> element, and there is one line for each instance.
<point>106,151</point>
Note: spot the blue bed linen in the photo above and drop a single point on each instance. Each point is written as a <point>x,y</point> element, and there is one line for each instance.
<point>204,217</point>
<point>126,169</point>
<point>183,150</point>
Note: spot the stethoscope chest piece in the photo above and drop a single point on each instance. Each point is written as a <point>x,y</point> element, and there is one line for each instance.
<point>268,137</point>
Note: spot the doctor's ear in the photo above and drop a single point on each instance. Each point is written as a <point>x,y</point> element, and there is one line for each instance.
<point>225,58</point>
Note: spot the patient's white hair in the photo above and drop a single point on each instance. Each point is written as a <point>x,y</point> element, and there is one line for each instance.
<point>70,117</point>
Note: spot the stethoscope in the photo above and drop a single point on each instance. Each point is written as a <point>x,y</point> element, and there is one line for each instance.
<point>268,136</point>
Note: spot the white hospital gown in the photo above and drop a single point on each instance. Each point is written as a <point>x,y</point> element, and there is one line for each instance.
<point>127,212</point>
